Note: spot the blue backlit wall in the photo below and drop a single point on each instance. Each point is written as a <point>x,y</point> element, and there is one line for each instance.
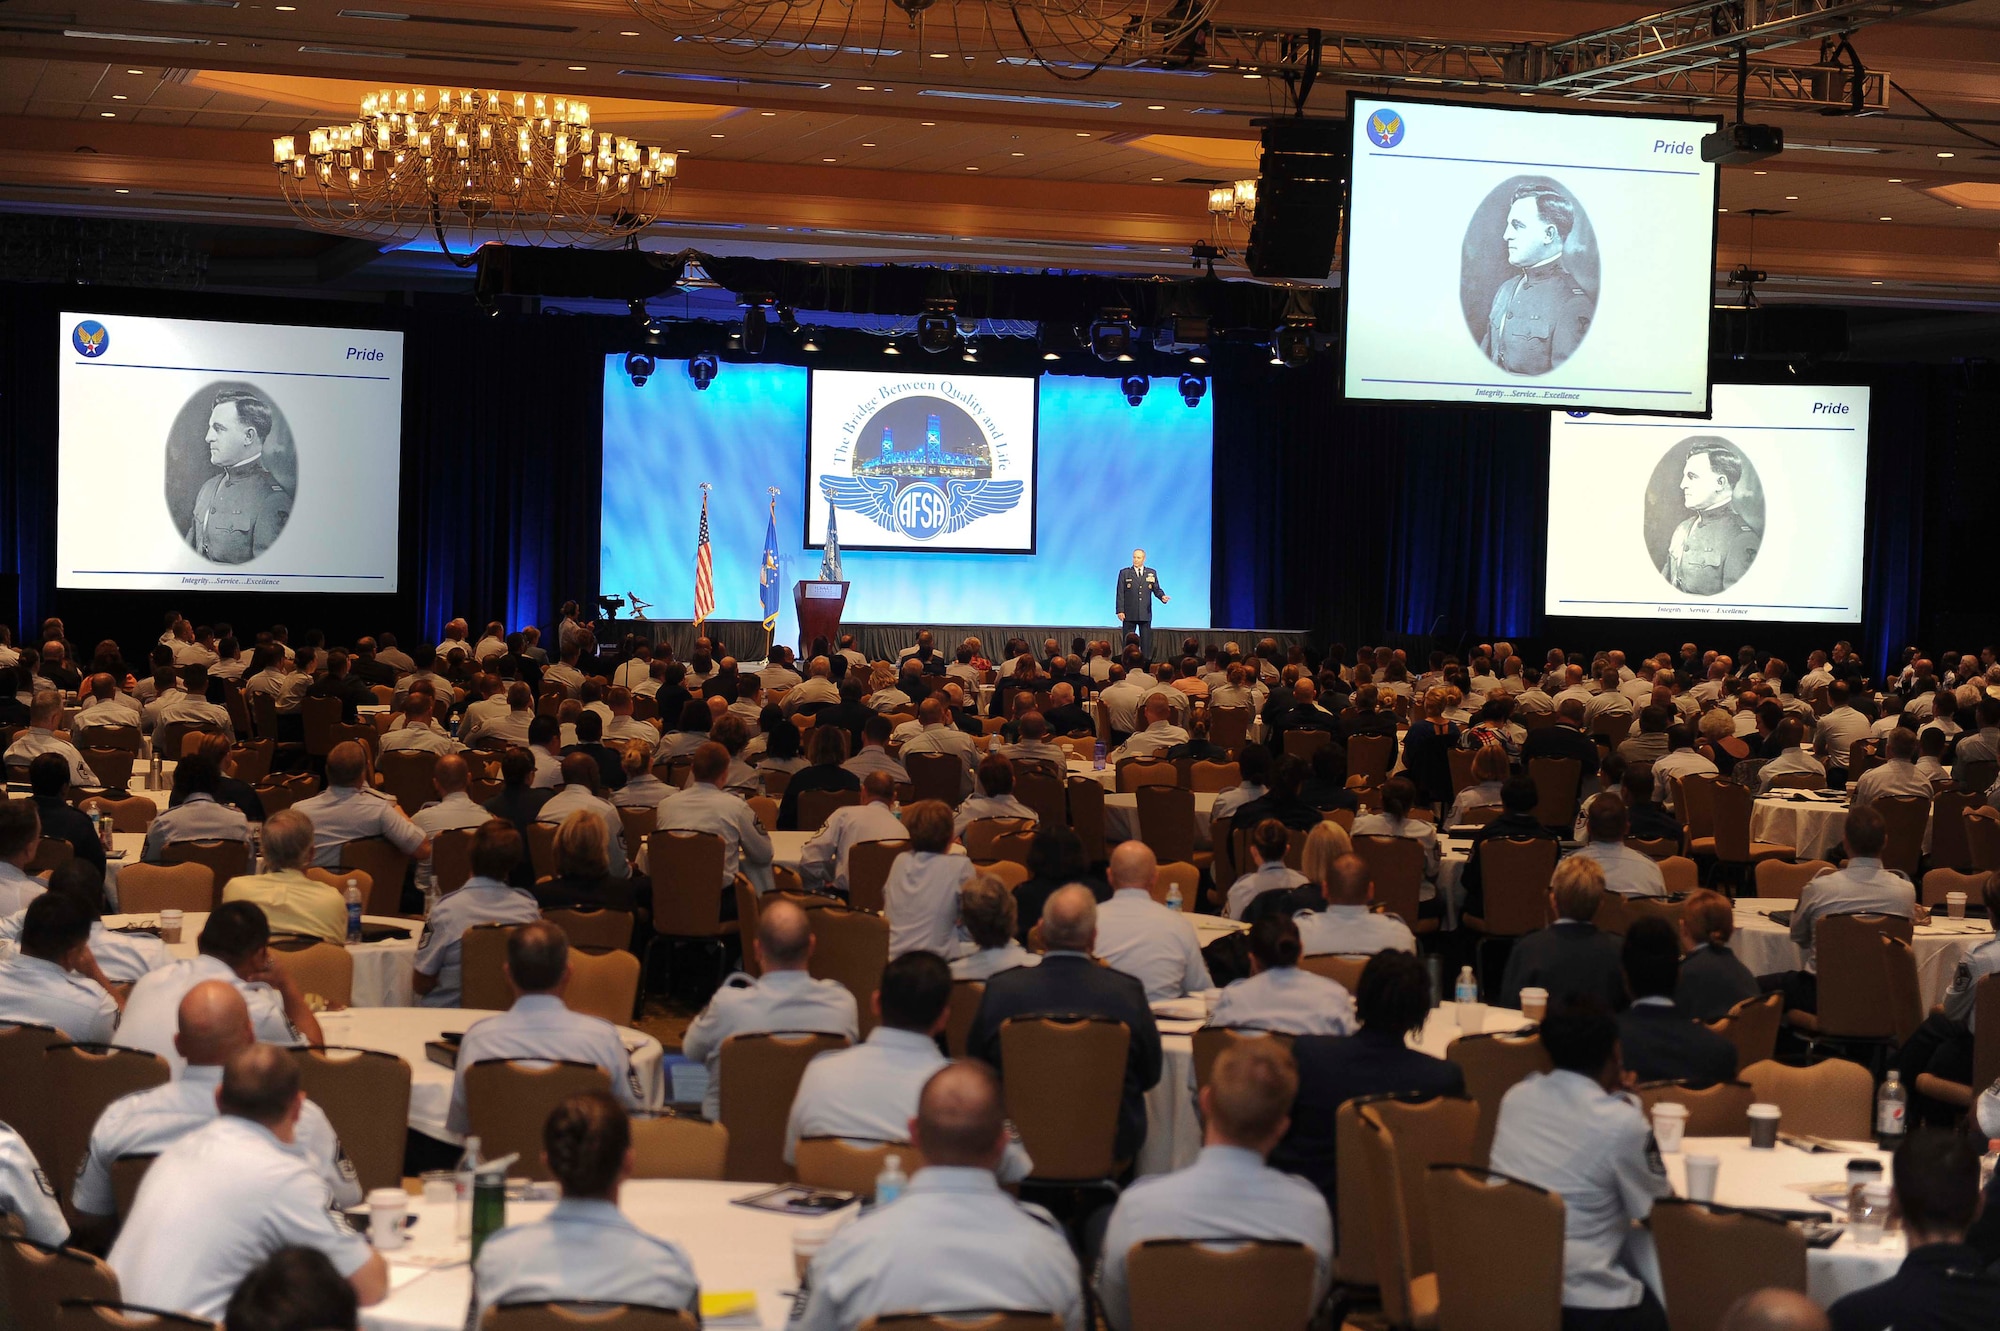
<point>1112,477</point>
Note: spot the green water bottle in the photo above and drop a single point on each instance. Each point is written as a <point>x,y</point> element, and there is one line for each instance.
<point>489,1208</point>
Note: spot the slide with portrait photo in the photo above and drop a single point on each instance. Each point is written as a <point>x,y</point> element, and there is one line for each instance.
<point>1756,514</point>
<point>226,456</point>
<point>1528,257</point>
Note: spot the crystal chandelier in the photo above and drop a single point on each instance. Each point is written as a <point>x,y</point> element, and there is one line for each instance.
<point>475,167</point>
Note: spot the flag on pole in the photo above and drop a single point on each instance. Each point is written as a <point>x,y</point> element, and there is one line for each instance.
<point>704,567</point>
<point>767,576</point>
<point>829,559</point>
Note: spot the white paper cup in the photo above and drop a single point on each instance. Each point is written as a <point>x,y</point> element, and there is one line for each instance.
<point>1669,1126</point>
<point>170,925</point>
<point>1764,1127</point>
<point>1954,905</point>
<point>386,1209</point>
<point>1534,1004</point>
<point>1701,1176</point>
<point>1471,1018</point>
<point>807,1240</point>
<point>440,1187</point>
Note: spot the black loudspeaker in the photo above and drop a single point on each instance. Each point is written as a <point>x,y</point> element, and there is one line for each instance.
<point>1299,188</point>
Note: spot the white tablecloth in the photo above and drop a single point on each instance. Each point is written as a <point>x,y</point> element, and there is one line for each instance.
<point>1812,825</point>
<point>382,971</point>
<point>1121,817</point>
<point>403,1031</point>
<point>1778,1178</point>
<point>733,1248</point>
<point>1766,947</point>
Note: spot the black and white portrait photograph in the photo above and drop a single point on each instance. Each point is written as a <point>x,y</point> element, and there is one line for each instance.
<point>1529,275</point>
<point>231,472</point>
<point>1704,515</point>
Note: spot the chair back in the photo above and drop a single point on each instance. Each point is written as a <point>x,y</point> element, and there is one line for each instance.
<point>816,806</point>
<point>1343,971</point>
<point>1460,761</point>
<point>766,810</point>
<point>1908,817</point>
<point>594,930</point>
<point>542,848</point>
<point>134,813</point>
<point>482,968</point>
<point>1150,770</point>
<point>225,860</point>
<point>686,868</point>
<point>1515,873</point>
<point>124,737</point>
<point>1228,727</point>
<point>749,905</point>
<point>1721,1110</point>
<point>1906,1000</point>
<point>1732,801</point>
<point>1354,1206</point>
<point>386,867</point>
<point>966,996</point>
<point>1214,777</point>
<point>1556,783</point>
<point>1303,744</point>
<point>508,1100</point>
<point>760,1075</point>
<point>852,947</point>
<point>1833,1099</point>
<point>147,889</point>
<point>112,766</point>
<point>1210,1041</point>
<point>366,1096</point>
<point>1982,837</point>
<point>39,1280</point>
<point>604,984</point>
<point>1371,756</point>
<point>1400,1141</point>
<point>1681,874</point>
<point>937,776</point>
<point>674,1146</point>
<point>80,1080</point>
<point>1776,878</point>
<point>1199,1284</point>
<point>1695,802</point>
<point>1064,1083</point>
<point>319,967</point>
<point>584,1315</point>
<point>1975,775</point>
<point>1086,816</point>
<point>1710,1258</point>
<point>1499,1249</point>
<point>1493,1065</point>
<point>1042,792</point>
<point>979,838</point>
<point>451,859</point>
<point>1396,866</point>
<point>1655,848</point>
<point>637,825</point>
<point>25,1104</point>
<point>50,855</point>
<point>1166,821</point>
<point>1986,1018</point>
<point>1949,847</point>
<point>1855,1001</point>
<point>320,716</point>
<point>829,1162</point>
<point>1798,781</point>
<point>1480,814</point>
<point>1752,1026</point>
<point>250,760</point>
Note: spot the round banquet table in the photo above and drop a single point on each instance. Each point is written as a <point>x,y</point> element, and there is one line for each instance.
<point>733,1249</point>
<point>1121,817</point>
<point>382,971</point>
<point>1766,947</point>
<point>1810,821</point>
<point>403,1031</point>
<point>1780,1179</point>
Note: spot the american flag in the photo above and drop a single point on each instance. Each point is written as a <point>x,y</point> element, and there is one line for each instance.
<point>704,568</point>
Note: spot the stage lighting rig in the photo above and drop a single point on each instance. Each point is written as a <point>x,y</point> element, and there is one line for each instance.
<point>1134,387</point>
<point>702,369</point>
<point>1111,335</point>
<point>937,326</point>
<point>1192,387</point>
<point>1292,343</point>
<point>639,366</point>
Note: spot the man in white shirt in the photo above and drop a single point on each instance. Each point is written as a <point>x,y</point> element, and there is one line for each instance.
<point>453,809</point>
<point>784,997</point>
<point>1840,728</point>
<point>815,691</point>
<point>220,1200</point>
<point>1253,764</point>
<point>1626,871</point>
<point>1896,775</point>
<point>1792,759</point>
<point>190,706</point>
<point>1229,1193</point>
<point>1159,735</point>
<point>1574,687</point>
<point>20,842</point>
<point>1034,745</point>
<point>199,816</point>
<point>1119,701</point>
<point>492,645</point>
<point>622,727</point>
<point>44,716</point>
<point>234,948</point>
<point>417,732</point>
<point>485,898</point>
<point>1141,937</point>
<point>996,782</point>
<point>54,980</point>
<point>823,860</point>
<point>1861,886</point>
<point>777,672</point>
<point>1347,927</point>
<point>938,736</point>
<point>874,755</point>
<point>350,810</point>
<point>1682,761</point>
<point>103,705</point>
<point>705,806</point>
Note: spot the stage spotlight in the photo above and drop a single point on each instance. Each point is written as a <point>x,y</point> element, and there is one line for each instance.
<point>892,349</point>
<point>971,352</point>
<point>756,324</point>
<point>1292,343</point>
<point>810,344</point>
<point>1134,387</point>
<point>937,326</point>
<point>703,369</point>
<point>1111,335</point>
<point>1192,387</point>
<point>640,367</point>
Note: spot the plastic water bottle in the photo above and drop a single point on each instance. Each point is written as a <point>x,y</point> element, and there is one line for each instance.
<point>354,910</point>
<point>1097,757</point>
<point>465,1179</point>
<point>889,1183</point>
<point>1892,1103</point>
<point>1467,988</point>
<point>1174,897</point>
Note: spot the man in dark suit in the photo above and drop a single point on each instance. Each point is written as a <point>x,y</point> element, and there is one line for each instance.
<point>1572,958</point>
<point>1518,798</point>
<point>1137,586</point>
<point>1370,717</point>
<point>1069,982</point>
<point>1659,1041</point>
<point>48,783</point>
<point>369,670</point>
<point>1392,999</point>
<point>520,804</point>
<point>1065,714</point>
<point>339,682</point>
<point>1564,739</point>
<point>590,743</point>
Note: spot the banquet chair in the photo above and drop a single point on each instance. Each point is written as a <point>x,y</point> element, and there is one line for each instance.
<point>677,1146</point>
<point>1975,776</point>
<point>1461,768</point>
<point>508,1100</point>
<point>1694,800</point>
<point>1399,1142</point>
<point>451,859</point>
<point>937,776</point>
<point>1752,1026</point>
<point>1303,744</point>
<point>594,930</point>
<point>1493,1064</point>
<point>1982,837</point>
<point>851,946</point>
<point>1908,816</point>
<point>637,824</point>
<point>482,968</point>
<point>1940,883</point>
<point>127,1173</point>
<point>1833,1099</point>
<point>338,879</point>
<point>1228,728</point>
<point>123,737</point>
<point>1011,872</point>
<point>250,761</point>
<point>966,996</point>
<point>225,860</point>
<point>1721,1110</point>
<point>1197,1284</point>
<point>542,849</point>
<point>1064,1083</point>
<point>816,806</point>
<point>1776,878</point>
<point>1396,866</point>
<point>366,1096</point>
<point>1731,846</point>
<point>1611,728</point>
<point>1042,791</point>
<point>1799,781</point>
<point>50,855</point>
<point>1476,816</point>
<point>1181,874</point>
<point>998,1320</point>
<point>1167,825</point>
<point>134,813</point>
<point>1557,781</point>
<point>1086,816</point>
<point>1515,873</point>
<point>1985,1050</point>
<point>603,984</point>
<point>37,1280</point>
<point>1214,777</point>
<point>148,889</point>
<point>1860,1000</point>
<point>1498,1244</point>
<point>319,716</point>
<point>24,1103</point>
<point>775,782</point>
<point>80,1080</point>
<point>171,738</point>
<point>1655,848</point>
<point>1210,1041</point>
<point>585,1315</point>
<point>319,967</point>
<point>113,766</point>
<point>760,1075</point>
<point>1949,847</point>
<point>405,775</point>
<point>1711,1256</point>
<point>386,868</point>
<point>1343,971</point>
<point>1133,773</point>
<point>749,905</point>
<point>766,810</point>
<point>1682,875</point>
<point>831,1162</point>
<point>686,869</point>
<point>978,839</point>
<point>1371,756</point>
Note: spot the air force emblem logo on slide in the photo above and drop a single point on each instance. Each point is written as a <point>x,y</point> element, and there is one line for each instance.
<point>1385,127</point>
<point>90,338</point>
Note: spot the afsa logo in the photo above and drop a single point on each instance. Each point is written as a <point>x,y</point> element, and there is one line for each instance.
<point>1577,415</point>
<point>1385,127</point>
<point>90,338</point>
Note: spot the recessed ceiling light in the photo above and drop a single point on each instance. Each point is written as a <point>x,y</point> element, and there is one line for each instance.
<point>1159,180</point>
<point>864,87</point>
<point>119,97</point>
<point>628,34</point>
<point>109,115</point>
<point>1017,154</point>
<point>1760,173</point>
<point>135,71</point>
<point>868,145</point>
<point>940,55</point>
<point>1791,198</point>
<point>1253,76</point>
<point>121,191</point>
<point>1722,210</point>
<point>972,168</point>
<point>1156,108</point>
<point>1083,134</point>
<point>715,136</point>
<point>1895,180</point>
<point>826,159</point>
<point>767,113</point>
<point>1885,219</point>
<point>1947,154</point>
<point>285,9</point>
<point>1874,284</point>
<point>578,69</point>
<point>928,124</point>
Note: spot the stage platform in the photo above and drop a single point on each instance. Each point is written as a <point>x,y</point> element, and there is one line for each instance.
<point>746,640</point>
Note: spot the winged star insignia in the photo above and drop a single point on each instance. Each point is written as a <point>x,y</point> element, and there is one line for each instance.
<point>922,510</point>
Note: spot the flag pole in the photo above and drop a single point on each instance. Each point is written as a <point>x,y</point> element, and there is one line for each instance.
<point>771,625</point>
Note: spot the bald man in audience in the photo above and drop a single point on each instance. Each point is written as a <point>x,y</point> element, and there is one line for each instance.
<point>417,732</point>
<point>1143,938</point>
<point>44,717</point>
<point>1159,735</point>
<point>938,735</point>
<point>1346,926</point>
<point>453,810</point>
<point>823,860</point>
<point>1774,1310</point>
<point>349,809</point>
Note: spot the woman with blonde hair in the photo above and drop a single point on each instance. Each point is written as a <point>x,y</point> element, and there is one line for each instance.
<point>642,790</point>
<point>1712,980</point>
<point>1325,844</point>
<point>583,878</point>
<point>1489,773</point>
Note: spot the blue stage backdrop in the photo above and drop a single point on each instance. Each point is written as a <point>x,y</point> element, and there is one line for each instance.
<point>1112,477</point>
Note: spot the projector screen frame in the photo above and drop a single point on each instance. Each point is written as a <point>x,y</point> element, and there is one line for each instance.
<point>1035,466</point>
<point>1347,256</point>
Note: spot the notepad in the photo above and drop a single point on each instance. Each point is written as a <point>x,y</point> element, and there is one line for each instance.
<point>732,1307</point>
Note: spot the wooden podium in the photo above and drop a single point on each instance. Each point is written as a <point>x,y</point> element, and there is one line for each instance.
<point>819,605</point>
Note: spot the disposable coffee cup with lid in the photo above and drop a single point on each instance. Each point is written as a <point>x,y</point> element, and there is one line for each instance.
<point>1764,1120</point>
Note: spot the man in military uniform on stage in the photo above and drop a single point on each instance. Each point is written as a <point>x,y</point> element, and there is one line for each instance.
<point>1541,313</point>
<point>240,512</point>
<point>1715,547</point>
<point>1137,586</point>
